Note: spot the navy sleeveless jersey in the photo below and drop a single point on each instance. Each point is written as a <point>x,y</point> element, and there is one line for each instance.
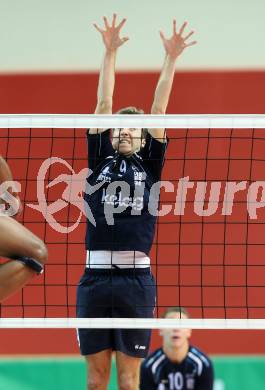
<point>195,372</point>
<point>133,228</point>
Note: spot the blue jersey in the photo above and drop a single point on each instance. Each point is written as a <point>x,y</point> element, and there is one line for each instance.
<point>133,228</point>
<point>195,372</point>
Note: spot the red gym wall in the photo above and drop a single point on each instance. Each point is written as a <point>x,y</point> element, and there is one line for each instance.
<point>193,92</point>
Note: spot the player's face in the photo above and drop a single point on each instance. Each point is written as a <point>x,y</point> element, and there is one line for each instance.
<point>175,338</point>
<point>127,141</point>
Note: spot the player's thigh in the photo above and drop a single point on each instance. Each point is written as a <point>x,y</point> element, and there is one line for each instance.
<point>93,295</point>
<point>128,370</point>
<point>132,342</point>
<point>99,367</point>
<point>140,297</point>
<point>138,302</point>
<point>17,240</point>
<point>94,301</point>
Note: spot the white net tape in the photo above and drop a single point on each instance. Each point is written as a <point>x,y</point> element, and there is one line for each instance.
<point>132,323</point>
<point>136,121</point>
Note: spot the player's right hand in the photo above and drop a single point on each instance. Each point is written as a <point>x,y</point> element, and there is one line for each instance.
<point>111,33</point>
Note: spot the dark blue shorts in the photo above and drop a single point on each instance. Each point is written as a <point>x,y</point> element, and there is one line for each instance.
<point>116,293</point>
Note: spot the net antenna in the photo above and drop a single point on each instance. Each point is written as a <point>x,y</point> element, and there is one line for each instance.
<point>209,259</point>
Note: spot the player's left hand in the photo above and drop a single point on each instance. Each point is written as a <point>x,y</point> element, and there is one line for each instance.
<point>175,45</point>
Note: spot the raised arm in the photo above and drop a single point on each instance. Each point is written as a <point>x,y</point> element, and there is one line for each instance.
<point>112,41</point>
<point>174,46</point>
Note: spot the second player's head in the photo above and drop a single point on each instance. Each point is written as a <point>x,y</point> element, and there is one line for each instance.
<point>129,140</point>
<point>175,338</point>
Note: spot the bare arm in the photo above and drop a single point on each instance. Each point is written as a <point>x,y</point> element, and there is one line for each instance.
<point>173,47</point>
<point>112,41</point>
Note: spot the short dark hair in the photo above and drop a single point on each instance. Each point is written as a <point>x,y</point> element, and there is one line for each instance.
<point>131,110</point>
<point>176,309</point>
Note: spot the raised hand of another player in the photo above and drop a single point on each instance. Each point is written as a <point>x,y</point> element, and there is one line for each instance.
<point>175,45</point>
<point>111,33</point>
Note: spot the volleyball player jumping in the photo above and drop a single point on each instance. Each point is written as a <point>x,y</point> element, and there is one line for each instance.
<point>27,253</point>
<point>117,281</point>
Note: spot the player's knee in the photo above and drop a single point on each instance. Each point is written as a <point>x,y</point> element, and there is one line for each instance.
<point>128,381</point>
<point>95,382</point>
<point>97,378</point>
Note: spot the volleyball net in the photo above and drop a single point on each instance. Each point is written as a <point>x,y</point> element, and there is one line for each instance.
<point>208,253</point>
